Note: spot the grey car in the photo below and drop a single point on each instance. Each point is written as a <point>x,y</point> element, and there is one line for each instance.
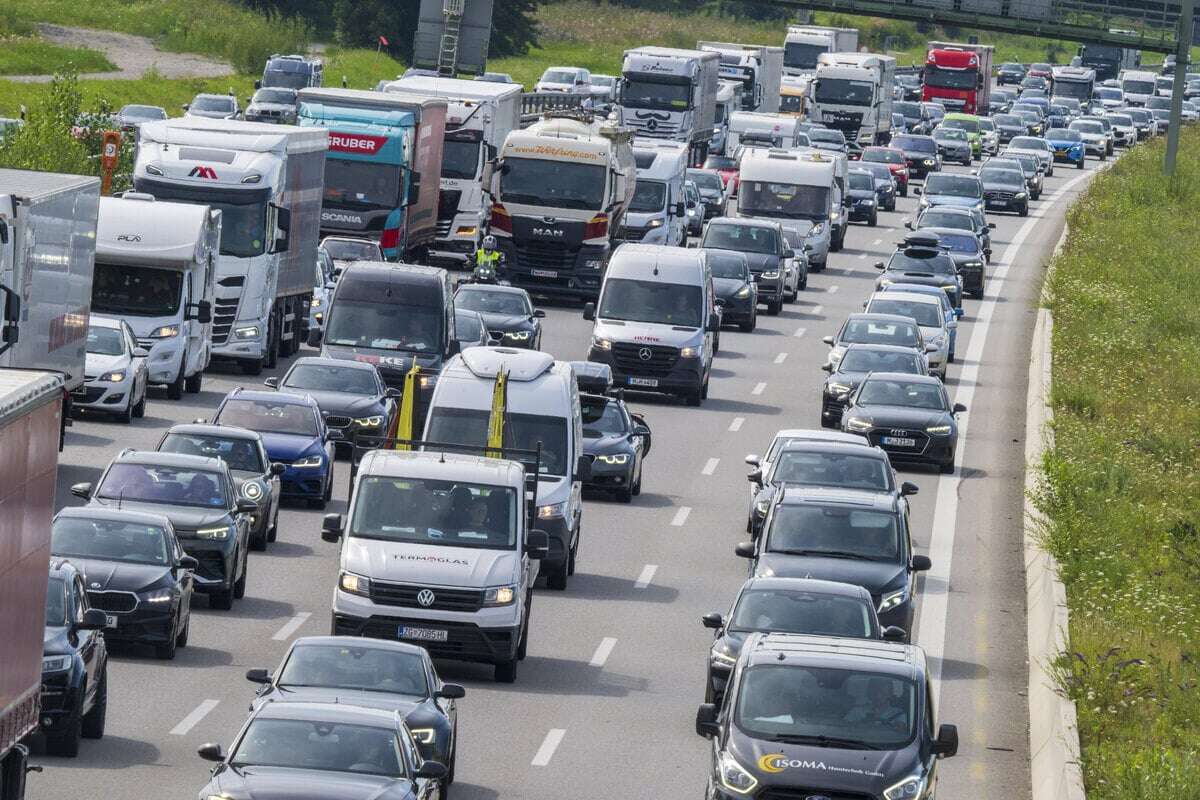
<point>213,106</point>
<point>953,145</point>
<point>1031,167</point>
<point>273,104</point>
<point>947,189</point>
<point>1004,189</point>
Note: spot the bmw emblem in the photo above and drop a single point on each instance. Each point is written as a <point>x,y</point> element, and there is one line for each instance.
<point>645,354</point>
<point>426,598</point>
<point>95,586</point>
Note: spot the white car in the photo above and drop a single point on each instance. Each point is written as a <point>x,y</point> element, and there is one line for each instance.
<point>213,106</point>
<point>1094,141</point>
<point>1124,131</point>
<point>786,436</point>
<point>322,291</point>
<point>989,137</point>
<point>115,372</point>
<point>568,80</point>
<point>1038,146</point>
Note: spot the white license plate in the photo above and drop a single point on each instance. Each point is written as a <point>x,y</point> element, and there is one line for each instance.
<point>110,621</point>
<point>423,634</point>
<point>643,382</point>
<point>543,273</point>
<point>897,441</point>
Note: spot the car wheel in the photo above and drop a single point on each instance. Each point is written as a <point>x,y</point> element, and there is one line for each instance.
<point>874,220</point>
<point>637,484</point>
<point>239,586</point>
<point>558,579</point>
<point>92,724</point>
<point>775,307</point>
<point>704,390</point>
<point>804,281</point>
<point>166,651</point>
<point>125,417</point>
<point>254,367</point>
<point>181,639</point>
<point>175,387</point>
<point>1104,156</point>
<point>193,383</point>
<point>318,504</point>
<point>258,541</point>
<point>1024,211</point>
<point>505,671</point>
<point>221,600</point>
<point>903,193</point>
<point>1079,164</point>
<point>273,531</point>
<point>625,494</point>
<point>748,326</point>
<point>139,408</point>
<point>66,744</point>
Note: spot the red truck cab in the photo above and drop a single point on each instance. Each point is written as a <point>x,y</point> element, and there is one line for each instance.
<point>958,77</point>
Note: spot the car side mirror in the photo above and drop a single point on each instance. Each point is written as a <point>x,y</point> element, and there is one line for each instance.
<point>908,224</point>
<point>908,489</point>
<point>432,770</point>
<point>82,491</point>
<point>93,620</point>
<point>245,506</point>
<point>331,527</point>
<point>714,621</point>
<point>916,190</point>
<point>921,564</point>
<point>753,460</point>
<point>271,383</point>
<point>537,544</point>
<point>880,265</point>
<point>589,311</point>
<point>893,634</point>
<point>188,562</point>
<point>827,367</point>
<point>278,469</point>
<point>539,313</point>
<point>393,393</point>
<point>258,676</point>
<point>257,85</point>
<point>583,469</point>
<point>706,721</point>
<point>185,106</point>
<point>451,691</point>
<point>959,408</point>
<point>211,752</point>
<point>755,476</point>
<point>141,352</point>
<point>946,744</point>
<point>744,550</point>
<point>827,340</point>
<point>931,347</point>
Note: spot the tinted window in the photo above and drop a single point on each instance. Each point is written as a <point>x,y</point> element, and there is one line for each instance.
<point>789,611</point>
<point>324,746</point>
<point>384,326</point>
<point>706,180</point>
<point>166,485</point>
<point>521,431</point>
<point>859,180</point>
<point>1004,177</point>
<point>602,418</point>
<point>808,468</point>
<point>532,181</point>
<point>910,394</point>
<point>926,314</point>
<point>953,185</point>
<point>265,416</point>
<point>121,289</point>
<point>110,540</point>
<point>882,155</point>
<point>649,196</point>
<point>959,243</point>
<point>239,454</point>
<point>922,261</point>
<point>727,265</point>
<point>859,331</point>
<point>343,666</point>
<point>323,378</point>
<point>460,159</point>
<point>814,530</point>
<point>468,327</point>
<point>362,183</point>
<point>864,360</point>
<point>485,301</point>
<point>742,238</point>
<point>434,512</point>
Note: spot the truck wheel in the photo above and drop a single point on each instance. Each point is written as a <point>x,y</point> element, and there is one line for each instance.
<point>193,382</point>
<point>506,671</point>
<point>175,387</point>
<point>92,725</point>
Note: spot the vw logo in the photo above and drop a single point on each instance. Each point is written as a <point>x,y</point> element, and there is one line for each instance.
<point>645,354</point>
<point>426,598</point>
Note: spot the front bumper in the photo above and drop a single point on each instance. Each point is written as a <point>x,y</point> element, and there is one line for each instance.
<point>577,280</point>
<point>1001,203</point>
<point>1071,155</point>
<point>165,359</point>
<point>684,376</point>
<point>972,278</point>
<point>862,211</point>
<point>610,477</point>
<point>103,396</point>
<point>59,700</point>
<point>148,623</point>
<point>216,572</point>
<point>928,449</point>
<point>305,482</point>
<point>737,310</point>
<point>250,348</point>
<point>920,167</point>
<point>770,290</point>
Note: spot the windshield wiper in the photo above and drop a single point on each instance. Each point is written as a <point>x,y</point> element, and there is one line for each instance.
<point>825,741</point>
<point>823,553</point>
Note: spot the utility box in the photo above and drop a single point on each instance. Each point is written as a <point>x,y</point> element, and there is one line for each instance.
<point>455,32</point>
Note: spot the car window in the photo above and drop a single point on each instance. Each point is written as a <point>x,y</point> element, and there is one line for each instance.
<point>56,603</point>
<point>105,341</point>
<point>910,394</point>
<point>952,185</point>
<point>485,301</point>
<point>809,468</point>
<point>877,332</point>
<point>435,512</point>
<point>266,416</point>
<point>331,378</point>
<point>324,746</point>
<point>110,540</point>
<point>742,238</point>
<point>149,483</point>
<point>814,530</point>
<point>240,454</point>
<point>790,611</point>
<point>861,359</point>
<point>927,315</point>
<point>601,417</point>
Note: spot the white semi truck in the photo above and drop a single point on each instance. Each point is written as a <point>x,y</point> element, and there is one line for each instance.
<point>156,266</point>
<point>47,253</point>
<point>266,180</point>
<point>805,44</point>
<point>479,117</point>
<point>758,68</point>
<point>852,92</point>
<point>667,93</point>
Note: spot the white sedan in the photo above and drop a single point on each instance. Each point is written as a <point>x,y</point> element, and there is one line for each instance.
<point>115,373</point>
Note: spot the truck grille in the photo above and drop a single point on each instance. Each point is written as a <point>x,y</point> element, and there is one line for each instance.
<point>447,208</point>
<point>403,594</point>
<point>224,314</point>
<point>660,130</point>
<point>546,255</point>
<point>628,358</point>
<point>116,602</point>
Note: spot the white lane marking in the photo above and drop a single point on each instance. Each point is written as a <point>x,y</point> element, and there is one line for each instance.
<point>862,256</point>
<point>198,713</point>
<point>832,289</point>
<point>292,625</point>
<point>681,516</point>
<point>889,230</point>
<point>816,310</point>
<point>758,388</point>
<point>935,598</point>
<point>779,359</point>
<point>736,425</point>
<point>877,241</point>
<point>710,466</point>
<point>647,575</point>
<point>799,332</point>
<point>549,745</point>
<point>603,651</point>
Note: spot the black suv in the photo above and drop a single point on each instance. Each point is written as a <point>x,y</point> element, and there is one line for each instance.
<point>74,663</point>
<point>766,251</point>
<point>816,717</point>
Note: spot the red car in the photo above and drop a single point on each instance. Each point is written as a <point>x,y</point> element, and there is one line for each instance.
<point>726,167</point>
<point>1040,71</point>
<point>896,163</point>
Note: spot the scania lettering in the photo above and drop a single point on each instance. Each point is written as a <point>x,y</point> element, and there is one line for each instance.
<point>959,76</point>
<point>758,68</point>
<point>671,94</point>
<point>852,92</point>
<point>805,44</point>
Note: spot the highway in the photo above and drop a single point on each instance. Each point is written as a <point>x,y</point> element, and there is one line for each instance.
<point>604,705</point>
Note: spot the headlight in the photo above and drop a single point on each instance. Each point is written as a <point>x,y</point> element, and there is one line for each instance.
<point>308,462</point>
<point>892,599</point>
<point>974,264</point>
<point>689,352</point>
<point>215,533</point>
<point>114,377</point>
<point>369,422</point>
<point>422,735</point>
<point>929,162</point>
<point>771,275</point>
<point>252,490</point>
<point>247,333</point>
<point>165,332</point>
<point>817,229</point>
<point>859,425</point>
<point>886,281</point>
<point>499,595</point>
<point>55,663</point>
<point>734,777</point>
<point>1020,195</point>
<point>552,511</point>
<point>616,458</point>
<point>156,596</point>
<point>600,343</point>
<point>938,430</point>
<point>428,380</point>
<point>950,286</point>
<point>721,657</point>
<point>655,223</point>
<point>837,388</point>
<point>743,292</point>
<point>355,584</point>
<point>762,507</point>
<point>907,789</point>
<point>315,302</point>
<point>518,335</point>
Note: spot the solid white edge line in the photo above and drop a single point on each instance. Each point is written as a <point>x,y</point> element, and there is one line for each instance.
<point>646,577</point>
<point>292,625</point>
<point>759,388</point>
<point>198,713</point>
<point>736,425</point>
<point>546,752</point>
<point>681,516</point>
<point>710,466</point>
<point>603,651</point>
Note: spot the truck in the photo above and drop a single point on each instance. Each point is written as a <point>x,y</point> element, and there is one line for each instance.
<point>728,101</point>
<point>559,191</point>
<point>31,419</point>
<point>757,129</point>
<point>384,167</point>
<point>667,93</point>
<point>266,182</point>
<point>480,115</point>
<point>758,68</point>
<point>1074,82</point>
<point>156,267</point>
<point>959,76</point>
<point>792,96</point>
<point>852,92</point>
<point>803,45</point>
<point>291,72</point>
<point>47,254</point>
<point>1109,60</point>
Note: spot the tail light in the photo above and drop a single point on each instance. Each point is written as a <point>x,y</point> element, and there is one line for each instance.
<point>501,220</point>
<point>389,239</point>
<point>596,227</point>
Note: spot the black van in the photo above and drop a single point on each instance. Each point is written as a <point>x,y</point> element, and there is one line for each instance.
<point>817,716</point>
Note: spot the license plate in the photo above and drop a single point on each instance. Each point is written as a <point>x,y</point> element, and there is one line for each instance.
<point>423,634</point>
<point>897,441</point>
<point>543,273</point>
<point>1060,152</point>
<point>110,621</point>
<point>643,382</point>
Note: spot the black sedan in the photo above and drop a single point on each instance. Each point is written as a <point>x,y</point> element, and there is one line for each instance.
<point>1009,126</point>
<point>617,441</point>
<point>1004,190</point>
<point>862,201</point>
<point>922,260</point>
<point>789,605</point>
<point>373,673</point>
<point>311,750</point>
<point>507,312</point>
<point>712,191</point>
<point>1010,73</point>
<point>858,361</point>
<point>920,154</point>
<point>734,286</point>
<point>353,398</point>
<point>135,572</point>
<point>909,416</point>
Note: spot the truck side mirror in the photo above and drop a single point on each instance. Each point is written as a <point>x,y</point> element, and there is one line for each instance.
<point>201,311</point>
<point>680,209</point>
<point>280,244</point>
<point>537,544</point>
<point>946,744</point>
<point>589,311</point>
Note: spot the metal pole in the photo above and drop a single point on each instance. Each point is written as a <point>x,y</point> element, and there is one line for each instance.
<point>1183,51</point>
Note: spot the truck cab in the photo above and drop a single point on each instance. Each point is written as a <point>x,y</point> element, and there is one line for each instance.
<point>853,93</point>
<point>757,68</point>
<point>669,93</point>
<point>728,100</point>
<point>959,76</point>
<point>656,214</point>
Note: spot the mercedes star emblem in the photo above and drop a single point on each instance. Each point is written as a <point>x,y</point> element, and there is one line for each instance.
<point>645,354</point>
<point>426,598</point>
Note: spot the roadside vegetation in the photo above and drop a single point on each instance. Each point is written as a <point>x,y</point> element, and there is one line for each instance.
<point>1122,482</point>
<point>22,51</point>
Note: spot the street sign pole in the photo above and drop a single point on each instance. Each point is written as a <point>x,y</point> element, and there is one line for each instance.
<point>1183,53</point>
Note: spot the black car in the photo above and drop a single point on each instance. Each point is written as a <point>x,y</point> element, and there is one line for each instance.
<point>735,288</point>
<point>353,398</point>
<point>889,329</point>
<point>135,571</point>
<point>470,331</point>
<point>1009,126</point>
<point>818,717</point>
<point>198,496</point>
<point>1035,82</point>
<point>617,441</point>
<point>858,361</point>
<point>313,750</point>
<point>788,605</point>
<point>959,219</point>
<point>1010,73</point>
<point>920,154</point>
<point>921,259</point>
<point>967,252</point>
<point>848,535</point>
<point>765,250</point>
<point>74,664</point>
<point>255,477</point>
<point>372,673</point>
<point>909,416</point>
<point>507,312</point>
<point>1004,189</point>
<point>1031,168</point>
<point>911,84</point>
<point>885,183</point>
<point>862,201</point>
<point>712,191</point>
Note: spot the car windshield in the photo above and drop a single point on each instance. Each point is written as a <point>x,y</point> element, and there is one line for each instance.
<point>935,218</point>
<point>384,326</point>
<point>487,301</point>
<point>279,96</point>
<point>350,666</point>
<point>795,704</point>
<point>242,455</point>
<point>559,76</point>
<point>862,180</point>
<point>953,185</point>
<point>56,603</point>
<point>842,91</point>
<point>968,125</point>
<point>793,611</point>
<point>727,265</point>
<point>434,512</point>
<point>601,417</point>
<point>919,144</point>
<point>651,301</point>
<point>1120,119</point>
<point>881,172</point>
<point>927,315</point>
<point>1109,93</point>
<point>1003,177</point>
<point>352,250</point>
<point>909,394</point>
<point>1137,87</point>
<point>1064,135</point>
<point>132,113</point>
<point>706,180</point>
<point>789,200</point>
<point>826,135</point>
<point>950,134</point>
<point>1087,127</point>
<point>720,162</point>
<point>963,243</point>
<point>811,468</point>
<point>834,531</point>
<point>742,238</point>
<point>925,261</point>
<point>884,156</point>
<point>105,341</point>
<point>266,416</point>
<point>863,331</point>
<point>559,184</point>
<point>1027,143</point>
<point>110,540</point>
<point>202,103</point>
<point>908,110</point>
<point>521,431</point>
<point>986,125</point>
<point>324,746</point>
<point>1009,120</point>
<point>122,289</point>
<point>331,378</point>
<point>149,483</point>
<point>861,359</point>
<point>648,197</point>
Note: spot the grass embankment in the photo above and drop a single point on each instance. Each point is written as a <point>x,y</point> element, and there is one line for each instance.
<point>22,51</point>
<point>1123,478</point>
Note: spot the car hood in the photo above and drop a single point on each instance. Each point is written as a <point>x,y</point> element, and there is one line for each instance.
<point>727,287</point>
<point>97,364</point>
<point>648,333</point>
<point>289,446</point>
<point>287,108</point>
<point>861,194</point>
<point>344,404</point>
<point>186,517</point>
<point>921,278</point>
<point>990,186</point>
<point>506,322</point>
<point>118,576</point>
<point>606,445</point>
<point>899,416</point>
<point>432,565</point>
<point>874,576</point>
<point>865,772</point>
<point>385,701</point>
<point>281,783</point>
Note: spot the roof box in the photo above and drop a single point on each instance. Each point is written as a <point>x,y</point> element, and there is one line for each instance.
<point>521,365</point>
<point>592,377</point>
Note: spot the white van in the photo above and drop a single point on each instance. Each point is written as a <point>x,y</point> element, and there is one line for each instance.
<point>802,190</point>
<point>542,408</point>
<point>1138,86</point>
<point>764,129</point>
<point>657,214</point>
<point>656,322</point>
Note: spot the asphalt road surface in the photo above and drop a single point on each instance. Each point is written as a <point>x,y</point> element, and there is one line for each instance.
<point>604,705</point>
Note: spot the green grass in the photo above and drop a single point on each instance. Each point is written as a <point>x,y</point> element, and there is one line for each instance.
<point>28,55</point>
<point>1122,490</point>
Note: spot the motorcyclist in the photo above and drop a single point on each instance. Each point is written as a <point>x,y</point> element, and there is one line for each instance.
<point>488,260</point>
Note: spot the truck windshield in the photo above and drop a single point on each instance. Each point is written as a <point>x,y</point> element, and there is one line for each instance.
<point>361,183</point>
<point>469,426</point>
<point>802,55</point>
<point>384,326</point>
<point>240,454</point>
<point>243,224</point>
<point>949,78</point>
<point>460,160</point>
<point>791,103</point>
<point>138,291</point>
<point>844,92</point>
<point>762,199</point>
<point>651,301</point>
<point>648,197</point>
<point>1137,87</point>
<point>656,95</point>
<point>558,184</point>
<point>435,512</point>
<point>1075,90</point>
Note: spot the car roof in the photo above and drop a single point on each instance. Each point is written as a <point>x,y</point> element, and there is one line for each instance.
<point>491,287</point>
<point>177,460</point>
<point>797,494</point>
<point>360,642</point>
<point>833,448</point>
<point>924,299</point>
<point>744,222</point>
<point>814,434</point>
<point>865,655</point>
<point>114,515</point>
<point>340,363</point>
<point>872,317</point>
<point>329,712</point>
<point>279,398</point>
<point>940,231</point>
<point>104,322</point>
<point>814,585</point>
<point>905,376</point>
<point>215,429</point>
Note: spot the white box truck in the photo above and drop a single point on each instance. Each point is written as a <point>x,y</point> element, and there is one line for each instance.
<point>47,252</point>
<point>805,44</point>
<point>266,181</point>
<point>759,68</point>
<point>852,92</point>
<point>156,266</point>
<point>667,93</point>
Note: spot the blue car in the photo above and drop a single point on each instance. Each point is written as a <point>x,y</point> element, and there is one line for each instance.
<point>1068,146</point>
<point>294,434</point>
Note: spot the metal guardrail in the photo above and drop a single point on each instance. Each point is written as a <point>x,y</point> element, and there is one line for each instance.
<point>534,104</point>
